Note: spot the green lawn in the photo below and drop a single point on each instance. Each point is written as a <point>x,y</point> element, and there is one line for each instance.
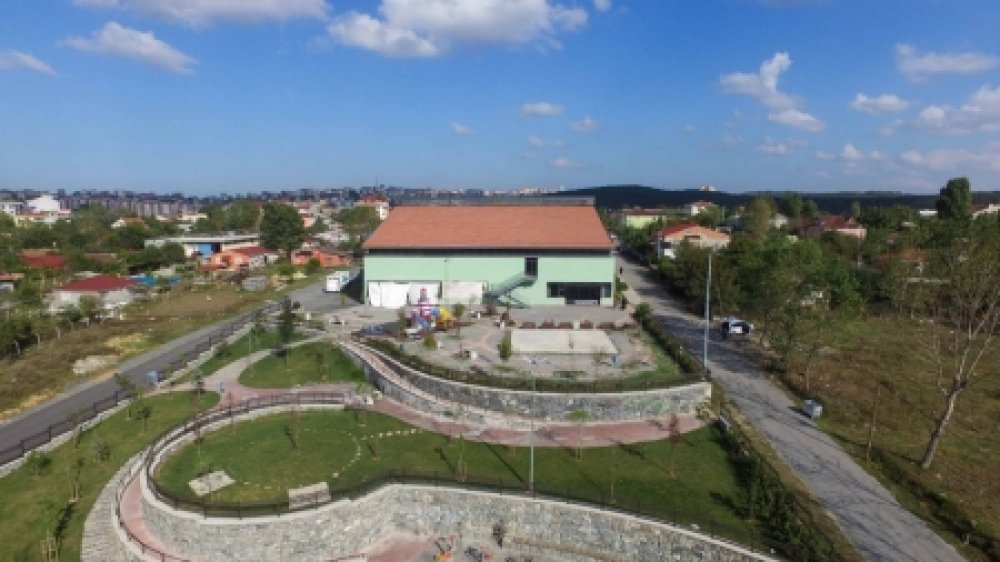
<point>30,505</point>
<point>240,349</point>
<point>334,446</point>
<point>315,362</point>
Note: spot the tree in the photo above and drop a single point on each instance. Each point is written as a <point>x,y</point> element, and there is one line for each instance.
<point>318,226</point>
<point>810,210</point>
<point>90,306</point>
<point>286,325</point>
<point>791,205</point>
<point>313,266</point>
<point>965,316</point>
<point>757,218</point>
<point>458,309</point>
<point>506,347</point>
<point>358,222</point>
<point>242,214</point>
<point>580,417</point>
<point>710,217</point>
<point>281,228</point>
<point>955,200</point>
<point>674,436</point>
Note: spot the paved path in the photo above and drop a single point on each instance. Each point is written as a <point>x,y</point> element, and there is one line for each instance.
<point>84,395</point>
<point>878,525</point>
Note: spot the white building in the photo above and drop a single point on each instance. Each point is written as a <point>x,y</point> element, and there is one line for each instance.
<point>111,292</point>
<point>43,204</point>
<point>11,208</point>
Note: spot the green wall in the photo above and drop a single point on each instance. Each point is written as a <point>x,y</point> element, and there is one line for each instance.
<point>493,270</point>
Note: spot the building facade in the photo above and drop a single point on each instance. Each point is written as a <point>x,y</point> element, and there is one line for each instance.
<point>529,255</point>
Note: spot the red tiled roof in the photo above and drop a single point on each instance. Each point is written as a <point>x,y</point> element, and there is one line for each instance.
<point>98,284</point>
<point>677,228</point>
<point>510,227</point>
<point>251,251</point>
<point>46,261</point>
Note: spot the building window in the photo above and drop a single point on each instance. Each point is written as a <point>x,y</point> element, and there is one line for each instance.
<point>556,290</point>
<point>531,267</point>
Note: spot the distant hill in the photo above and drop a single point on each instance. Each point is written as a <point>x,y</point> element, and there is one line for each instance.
<point>619,196</point>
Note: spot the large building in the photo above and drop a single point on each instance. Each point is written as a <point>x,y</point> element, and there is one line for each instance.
<point>204,245</point>
<point>522,255</point>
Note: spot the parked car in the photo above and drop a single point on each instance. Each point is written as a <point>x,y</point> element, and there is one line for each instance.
<point>732,326</point>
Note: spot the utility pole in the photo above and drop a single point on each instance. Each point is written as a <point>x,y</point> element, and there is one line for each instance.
<point>708,298</point>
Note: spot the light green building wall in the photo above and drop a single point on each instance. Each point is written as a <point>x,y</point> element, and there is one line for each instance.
<point>494,270</point>
<point>640,221</point>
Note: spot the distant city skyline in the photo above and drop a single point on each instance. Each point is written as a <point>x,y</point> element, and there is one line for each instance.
<point>209,96</point>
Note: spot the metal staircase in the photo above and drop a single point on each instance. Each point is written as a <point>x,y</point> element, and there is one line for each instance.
<point>500,293</point>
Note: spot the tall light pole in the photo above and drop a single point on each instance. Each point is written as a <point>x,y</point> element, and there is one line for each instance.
<point>531,438</point>
<point>708,298</point>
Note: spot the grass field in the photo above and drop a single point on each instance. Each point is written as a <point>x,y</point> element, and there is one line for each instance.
<point>31,506</point>
<point>268,456</point>
<point>310,363</point>
<point>241,348</point>
<point>46,369</point>
<point>962,485</point>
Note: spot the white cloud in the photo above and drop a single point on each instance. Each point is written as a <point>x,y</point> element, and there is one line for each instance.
<point>602,5</point>
<point>877,155</point>
<point>798,119</point>
<point>762,86</point>
<point>772,147</point>
<point>688,128</point>
<point>460,128</point>
<point>951,159</point>
<point>880,104</point>
<point>980,113</point>
<point>114,39</point>
<point>200,13</point>
<point>824,155</point>
<point>541,109</point>
<point>563,163</point>
<point>430,28</point>
<point>13,60</point>
<point>918,66</point>
<point>851,154</point>
<point>586,125</point>
<point>538,142</point>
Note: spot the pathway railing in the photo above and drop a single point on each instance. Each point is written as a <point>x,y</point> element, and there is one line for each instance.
<point>747,537</point>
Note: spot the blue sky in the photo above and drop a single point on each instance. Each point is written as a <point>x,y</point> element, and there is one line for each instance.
<point>203,96</point>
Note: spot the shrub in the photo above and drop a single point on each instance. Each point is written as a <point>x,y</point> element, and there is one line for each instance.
<point>506,348</point>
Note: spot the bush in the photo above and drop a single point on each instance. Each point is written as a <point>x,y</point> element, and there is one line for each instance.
<point>430,342</point>
<point>38,462</point>
<point>506,348</point>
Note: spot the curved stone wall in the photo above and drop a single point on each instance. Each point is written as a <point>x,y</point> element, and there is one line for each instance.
<point>436,395</point>
<point>563,531</point>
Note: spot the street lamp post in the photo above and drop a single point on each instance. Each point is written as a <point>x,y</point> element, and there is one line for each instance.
<point>531,439</point>
<point>708,298</point>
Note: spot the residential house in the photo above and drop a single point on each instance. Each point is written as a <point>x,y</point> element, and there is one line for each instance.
<point>204,245</point>
<point>43,259</point>
<point>111,292</point>
<point>12,208</point>
<point>380,205</point>
<point>327,257</point>
<point>848,226</point>
<point>668,239</point>
<point>698,207</point>
<point>9,281</point>
<point>990,209</point>
<point>236,259</point>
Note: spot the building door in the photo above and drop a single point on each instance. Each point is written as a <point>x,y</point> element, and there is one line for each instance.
<point>531,267</point>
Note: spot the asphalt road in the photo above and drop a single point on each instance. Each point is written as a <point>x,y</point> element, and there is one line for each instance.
<point>878,525</point>
<point>84,395</point>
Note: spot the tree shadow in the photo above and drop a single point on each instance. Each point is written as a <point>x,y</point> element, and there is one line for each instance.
<point>504,461</point>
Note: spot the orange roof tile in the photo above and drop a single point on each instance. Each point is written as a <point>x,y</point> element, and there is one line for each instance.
<point>495,227</point>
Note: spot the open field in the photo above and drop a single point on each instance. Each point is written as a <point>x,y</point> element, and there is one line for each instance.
<point>891,354</point>
<point>316,362</point>
<point>268,456</point>
<point>33,505</point>
<point>46,369</point>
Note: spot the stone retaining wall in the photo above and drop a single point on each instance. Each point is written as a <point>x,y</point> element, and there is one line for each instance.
<point>346,527</point>
<point>549,406</point>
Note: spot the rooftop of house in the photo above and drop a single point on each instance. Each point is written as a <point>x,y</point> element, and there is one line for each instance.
<point>491,227</point>
<point>43,259</point>
<point>98,284</point>
<point>251,251</point>
<point>689,229</point>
